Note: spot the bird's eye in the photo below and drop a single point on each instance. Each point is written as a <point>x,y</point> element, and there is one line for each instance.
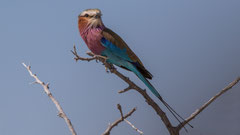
<point>86,15</point>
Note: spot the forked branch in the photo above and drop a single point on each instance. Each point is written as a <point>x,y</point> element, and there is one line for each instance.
<point>123,118</point>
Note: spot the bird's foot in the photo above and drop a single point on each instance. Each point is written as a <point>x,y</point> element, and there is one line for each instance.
<point>106,69</point>
<point>109,68</point>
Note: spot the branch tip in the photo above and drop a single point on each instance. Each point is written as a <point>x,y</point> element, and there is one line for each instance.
<point>114,124</point>
<point>199,110</point>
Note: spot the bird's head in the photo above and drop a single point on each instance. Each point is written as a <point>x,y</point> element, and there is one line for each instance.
<point>90,18</point>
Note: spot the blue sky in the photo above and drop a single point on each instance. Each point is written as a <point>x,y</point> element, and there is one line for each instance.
<point>191,47</point>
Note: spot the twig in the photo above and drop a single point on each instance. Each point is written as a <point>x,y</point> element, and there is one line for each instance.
<point>80,58</point>
<point>120,110</point>
<point>125,90</point>
<point>128,122</point>
<point>193,115</point>
<point>47,91</point>
<point>114,124</point>
<point>94,57</point>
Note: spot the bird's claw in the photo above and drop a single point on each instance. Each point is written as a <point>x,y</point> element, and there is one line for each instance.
<point>109,68</point>
<point>106,69</point>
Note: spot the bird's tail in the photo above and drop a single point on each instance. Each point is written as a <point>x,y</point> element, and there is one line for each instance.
<point>155,92</point>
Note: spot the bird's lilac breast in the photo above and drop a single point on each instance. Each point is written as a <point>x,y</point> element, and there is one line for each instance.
<point>92,38</point>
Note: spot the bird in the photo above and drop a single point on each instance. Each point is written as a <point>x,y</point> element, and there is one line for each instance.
<point>104,42</point>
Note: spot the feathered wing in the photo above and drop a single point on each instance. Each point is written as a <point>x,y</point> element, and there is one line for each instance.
<point>116,42</point>
<point>119,54</point>
<point>125,58</point>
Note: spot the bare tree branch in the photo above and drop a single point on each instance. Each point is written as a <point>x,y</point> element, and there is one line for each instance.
<point>120,110</point>
<point>80,58</point>
<point>125,90</point>
<point>131,85</point>
<point>47,91</point>
<point>128,122</point>
<point>94,57</point>
<point>172,130</point>
<point>114,124</point>
<point>193,115</point>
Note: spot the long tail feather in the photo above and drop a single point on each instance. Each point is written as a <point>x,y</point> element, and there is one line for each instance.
<point>155,92</point>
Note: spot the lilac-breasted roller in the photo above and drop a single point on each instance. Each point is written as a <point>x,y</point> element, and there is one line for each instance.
<point>103,41</point>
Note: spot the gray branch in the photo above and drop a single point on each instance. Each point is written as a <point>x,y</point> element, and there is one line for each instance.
<point>47,91</point>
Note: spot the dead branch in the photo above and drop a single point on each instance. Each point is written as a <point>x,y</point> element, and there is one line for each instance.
<point>131,85</point>
<point>120,110</point>
<point>47,91</point>
<point>139,131</point>
<point>114,124</point>
<point>193,115</point>
<point>125,90</point>
<point>80,58</point>
<point>128,122</point>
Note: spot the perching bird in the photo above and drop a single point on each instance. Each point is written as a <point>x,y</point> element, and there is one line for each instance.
<point>103,41</point>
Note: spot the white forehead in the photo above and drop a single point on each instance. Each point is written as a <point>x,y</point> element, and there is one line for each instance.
<point>91,12</point>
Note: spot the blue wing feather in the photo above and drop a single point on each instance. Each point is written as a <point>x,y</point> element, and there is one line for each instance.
<point>122,53</point>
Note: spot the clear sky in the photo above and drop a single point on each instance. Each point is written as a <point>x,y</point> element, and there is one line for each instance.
<point>192,47</point>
